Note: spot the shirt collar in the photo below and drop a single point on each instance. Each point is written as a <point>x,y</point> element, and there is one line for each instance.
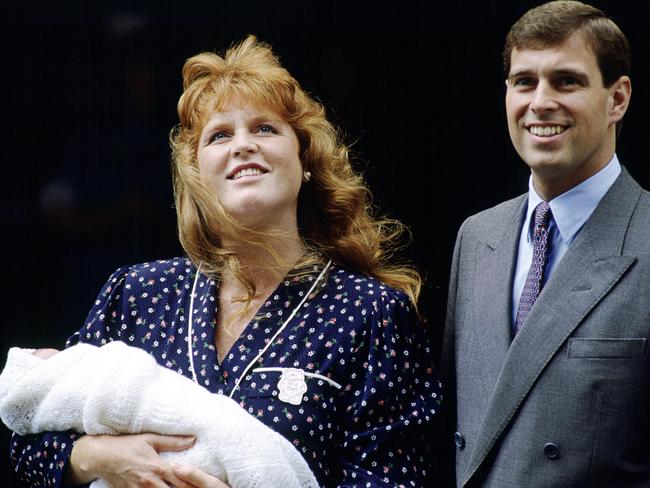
<point>572,208</point>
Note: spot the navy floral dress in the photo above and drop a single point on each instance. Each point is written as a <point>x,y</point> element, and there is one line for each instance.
<point>358,392</point>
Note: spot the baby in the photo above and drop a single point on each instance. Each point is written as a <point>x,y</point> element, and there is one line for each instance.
<point>119,389</point>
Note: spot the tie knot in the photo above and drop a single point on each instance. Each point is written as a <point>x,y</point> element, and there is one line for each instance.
<point>542,214</point>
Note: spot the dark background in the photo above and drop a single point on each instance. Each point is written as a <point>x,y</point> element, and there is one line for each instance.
<point>89,96</point>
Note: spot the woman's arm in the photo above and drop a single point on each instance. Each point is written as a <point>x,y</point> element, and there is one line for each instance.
<point>392,405</point>
<point>46,393</point>
<point>126,461</point>
<point>42,459</point>
<point>122,461</point>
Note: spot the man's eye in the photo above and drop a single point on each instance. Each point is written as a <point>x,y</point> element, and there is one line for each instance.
<point>524,82</point>
<point>569,81</point>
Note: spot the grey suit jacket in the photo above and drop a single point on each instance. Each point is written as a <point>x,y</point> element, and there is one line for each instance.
<point>566,403</point>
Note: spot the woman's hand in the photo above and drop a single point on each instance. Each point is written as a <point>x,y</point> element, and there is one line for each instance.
<point>127,461</point>
<point>196,477</point>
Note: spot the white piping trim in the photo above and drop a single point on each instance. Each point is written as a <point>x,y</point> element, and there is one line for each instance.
<point>189,326</point>
<point>259,355</point>
<point>306,373</point>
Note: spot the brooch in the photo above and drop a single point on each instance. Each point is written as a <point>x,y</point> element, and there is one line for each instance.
<point>292,386</point>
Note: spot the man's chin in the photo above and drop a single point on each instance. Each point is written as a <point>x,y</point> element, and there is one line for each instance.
<point>545,163</point>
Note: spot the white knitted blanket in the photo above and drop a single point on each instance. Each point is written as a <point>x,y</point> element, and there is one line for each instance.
<point>118,389</point>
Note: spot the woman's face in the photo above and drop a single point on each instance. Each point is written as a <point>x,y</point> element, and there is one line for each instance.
<point>250,156</point>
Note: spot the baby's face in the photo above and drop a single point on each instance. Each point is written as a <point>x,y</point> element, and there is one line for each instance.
<point>45,353</point>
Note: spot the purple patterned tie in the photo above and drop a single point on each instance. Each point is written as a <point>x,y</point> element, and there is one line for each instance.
<point>535,278</point>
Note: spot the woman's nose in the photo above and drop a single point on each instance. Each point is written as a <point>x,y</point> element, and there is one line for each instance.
<point>243,143</point>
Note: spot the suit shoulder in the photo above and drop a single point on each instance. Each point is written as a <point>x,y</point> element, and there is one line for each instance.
<point>492,217</point>
<point>644,201</point>
<point>638,235</point>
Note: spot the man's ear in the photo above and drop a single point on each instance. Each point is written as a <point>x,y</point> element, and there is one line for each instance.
<point>619,98</point>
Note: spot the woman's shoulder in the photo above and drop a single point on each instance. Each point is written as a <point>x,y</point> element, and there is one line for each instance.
<point>367,305</point>
<point>366,288</point>
<point>162,278</point>
<point>159,271</point>
<point>147,293</point>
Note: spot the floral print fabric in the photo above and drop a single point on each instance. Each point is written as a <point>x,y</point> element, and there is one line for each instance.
<point>358,390</point>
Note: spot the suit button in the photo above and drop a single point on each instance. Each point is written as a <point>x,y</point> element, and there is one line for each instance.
<point>551,451</point>
<point>459,440</point>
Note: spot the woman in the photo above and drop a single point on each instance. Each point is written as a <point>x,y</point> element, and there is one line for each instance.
<point>286,303</point>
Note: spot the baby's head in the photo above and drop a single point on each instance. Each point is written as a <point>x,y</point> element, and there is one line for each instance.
<point>45,353</point>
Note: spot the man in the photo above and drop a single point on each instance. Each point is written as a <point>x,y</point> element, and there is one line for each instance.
<point>546,358</point>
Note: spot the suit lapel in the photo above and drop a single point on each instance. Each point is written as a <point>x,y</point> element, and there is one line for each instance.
<point>588,271</point>
<point>495,260</point>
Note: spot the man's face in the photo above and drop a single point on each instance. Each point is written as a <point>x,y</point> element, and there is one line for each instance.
<point>560,116</point>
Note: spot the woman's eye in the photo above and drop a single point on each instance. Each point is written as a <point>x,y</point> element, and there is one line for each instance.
<point>267,129</point>
<point>217,136</point>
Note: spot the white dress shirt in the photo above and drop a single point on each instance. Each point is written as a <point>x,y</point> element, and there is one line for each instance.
<point>570,211</point>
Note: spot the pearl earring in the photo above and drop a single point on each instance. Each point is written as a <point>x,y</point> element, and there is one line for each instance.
<point>306,176</point>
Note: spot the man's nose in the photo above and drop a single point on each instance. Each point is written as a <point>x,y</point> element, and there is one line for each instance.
<point>544,98</point>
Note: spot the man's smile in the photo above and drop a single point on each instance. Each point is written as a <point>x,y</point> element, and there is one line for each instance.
<point>546,130</point>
